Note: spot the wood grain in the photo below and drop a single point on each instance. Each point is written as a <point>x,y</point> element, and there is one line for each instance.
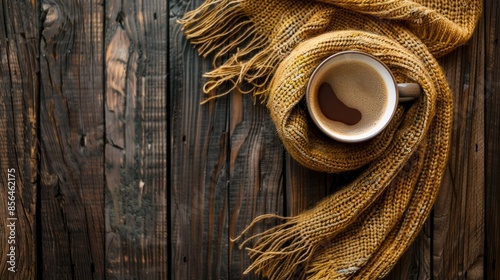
<point>199,163</point>
<point>492,135</point>
<point>71,123</point>
<point>304,187</point>
<point>19,87</point>
<point>256,175</point>
<point>458,221</point>
<point>136,152</point>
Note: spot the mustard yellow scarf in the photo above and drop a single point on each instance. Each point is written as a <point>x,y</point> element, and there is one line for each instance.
<point>274,45</point>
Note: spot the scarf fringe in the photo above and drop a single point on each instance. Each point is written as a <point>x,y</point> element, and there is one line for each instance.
<point>214,24</point>
<point>278,255</point>
<point>221,27</point>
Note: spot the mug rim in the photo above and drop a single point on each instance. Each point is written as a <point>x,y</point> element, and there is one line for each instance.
<point>386,117</point>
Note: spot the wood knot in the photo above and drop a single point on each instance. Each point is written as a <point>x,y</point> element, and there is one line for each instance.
<point>51,14</point>
<point>48,179</point>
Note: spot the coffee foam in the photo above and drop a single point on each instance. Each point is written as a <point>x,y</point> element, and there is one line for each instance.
<point>358,85</point>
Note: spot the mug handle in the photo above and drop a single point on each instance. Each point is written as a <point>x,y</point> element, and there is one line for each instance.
<point>409,91</point>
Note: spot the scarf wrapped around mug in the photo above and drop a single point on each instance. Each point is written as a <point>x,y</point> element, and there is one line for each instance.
<point>274,45</point>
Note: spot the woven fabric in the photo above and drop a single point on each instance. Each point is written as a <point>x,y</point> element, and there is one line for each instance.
<point>274,45</point>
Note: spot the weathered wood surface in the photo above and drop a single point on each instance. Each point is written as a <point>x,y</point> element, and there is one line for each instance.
<point>136,142</point>
<point>491,19</point>
<point>71,140</point>
<point>19,108</point>
<point>199,167</point>
<point>122,174</point>
<point>458,217</point>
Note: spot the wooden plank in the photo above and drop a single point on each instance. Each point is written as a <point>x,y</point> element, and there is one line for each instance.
<point>492,136</point>
<point>458,236</point>
<point>136,164</point>
<point>304,187</point>
<point>19,90</point>
<point>256,174</point>
<point>199,169</point>
<point>71,140</point>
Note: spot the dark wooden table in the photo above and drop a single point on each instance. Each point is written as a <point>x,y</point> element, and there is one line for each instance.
<point>120,173</point>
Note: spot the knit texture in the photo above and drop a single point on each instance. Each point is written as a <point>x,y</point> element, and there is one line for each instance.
<point>274,45</point>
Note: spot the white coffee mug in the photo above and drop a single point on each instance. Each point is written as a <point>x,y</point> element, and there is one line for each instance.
<point>352,96</point>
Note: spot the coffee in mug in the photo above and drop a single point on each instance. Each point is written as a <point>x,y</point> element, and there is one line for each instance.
<point>352,96</point>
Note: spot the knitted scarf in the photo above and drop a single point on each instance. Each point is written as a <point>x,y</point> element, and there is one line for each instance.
<point>361,230</point>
